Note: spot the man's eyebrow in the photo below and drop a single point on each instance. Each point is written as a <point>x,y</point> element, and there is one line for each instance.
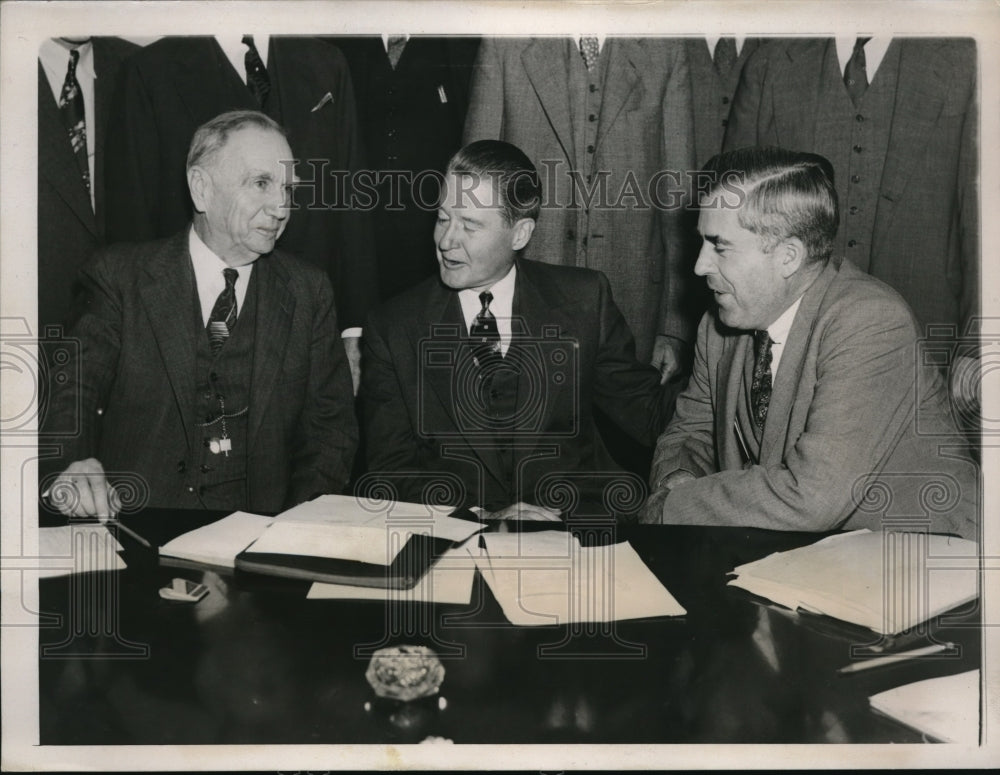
<point>258,174</point>
<point>470,219</point>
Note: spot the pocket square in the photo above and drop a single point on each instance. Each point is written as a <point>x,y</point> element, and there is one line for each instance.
<point>326,98</point>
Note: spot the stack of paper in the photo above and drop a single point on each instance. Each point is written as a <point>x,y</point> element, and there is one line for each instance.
<point>888,582</point>
<point>945,709</point>
<point>71,549</point>
<point>216,544</point>
<point>546,577</point>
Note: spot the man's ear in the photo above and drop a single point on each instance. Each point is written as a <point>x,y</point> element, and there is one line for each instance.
<point>523,230</point>
<point>793,255</point>
<point>200,186</point>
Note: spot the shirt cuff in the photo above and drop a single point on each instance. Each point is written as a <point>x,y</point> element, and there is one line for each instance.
<point>351,333</point>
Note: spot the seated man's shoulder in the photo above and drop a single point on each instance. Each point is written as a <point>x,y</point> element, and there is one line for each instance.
<point>573,279</point>
<point>411,305</point>
<point>858,297</point>
<point>126,259</point>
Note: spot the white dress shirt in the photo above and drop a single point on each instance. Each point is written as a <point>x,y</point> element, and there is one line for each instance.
<point>54,56</point>
<point>713,41</point>
<point>236,51</point>
<point>874,52</point>
<point>502,306</point>
<point>778,331</point>
<point>209,278</point>
<point>385,40</point>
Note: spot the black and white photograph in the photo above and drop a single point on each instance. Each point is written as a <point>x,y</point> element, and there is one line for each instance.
<point>489,385</point>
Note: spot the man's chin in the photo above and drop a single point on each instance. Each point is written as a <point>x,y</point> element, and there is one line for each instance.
<point>453,278</point>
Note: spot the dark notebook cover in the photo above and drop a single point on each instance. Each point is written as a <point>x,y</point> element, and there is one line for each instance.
<point>416,557</point>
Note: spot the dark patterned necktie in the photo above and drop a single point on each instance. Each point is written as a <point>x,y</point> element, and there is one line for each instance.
<point>258,80</point>
<point>856,72</point>
<point>223,317</point>
<point>760,387</point>
<point>485,334</point>
<point>724,57</point>
<point>72,110</point>
<point>590,50</point>
<point>396,44</point>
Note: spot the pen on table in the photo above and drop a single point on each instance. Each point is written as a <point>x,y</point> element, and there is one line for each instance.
<point>891,659</point>
<point>130,532</point>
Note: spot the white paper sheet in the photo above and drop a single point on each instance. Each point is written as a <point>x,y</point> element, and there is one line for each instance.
<point>946,709</point>
<point>218,543</point>
<point>361,543</point>
<point>548,578</point>
<point>69,549</point>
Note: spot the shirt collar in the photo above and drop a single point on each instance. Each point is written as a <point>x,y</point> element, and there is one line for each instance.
<point>713,41</point>
<point>54,56</point>
<point>503,298</point>
<point>208,266</point>
<point>778,330</point>
<point>385,40</point>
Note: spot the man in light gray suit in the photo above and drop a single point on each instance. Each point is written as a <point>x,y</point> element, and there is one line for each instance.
<point>608,124</point>
<point>809,407</point>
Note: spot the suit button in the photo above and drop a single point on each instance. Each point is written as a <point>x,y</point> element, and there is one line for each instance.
<point>570,234</point>
<point>590,149</point>
<point>859,118</point>
<point>181,466</point>
<point>592,117</point>
<point>852,243</point>
<point>854,210</point>
<point>593,88</point>
<point>725,100</point>
<point>725,123</point>
<point>205,469</point>
<point>858,149</point>
<point>855,178</point>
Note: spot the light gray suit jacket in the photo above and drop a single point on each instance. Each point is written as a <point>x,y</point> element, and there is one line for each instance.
<point>520,95</point>
<point>858,434</point>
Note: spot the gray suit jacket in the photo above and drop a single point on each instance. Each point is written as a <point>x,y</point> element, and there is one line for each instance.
<point>858,433</point>
<point>132,394</point>
<point>520,95</point>
<point>925,242</point>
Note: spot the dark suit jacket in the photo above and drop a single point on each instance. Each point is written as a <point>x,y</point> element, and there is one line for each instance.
<point>176,84</point>
<point>425,435</point>
<point>411,120</point>
<point>133,385</point>
<point>520,94</point>
<point>858,434</point>
<point>69,229</point>
<point>925,242</point>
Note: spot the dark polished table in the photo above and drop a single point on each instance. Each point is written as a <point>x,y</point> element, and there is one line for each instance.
<point>256,662</point>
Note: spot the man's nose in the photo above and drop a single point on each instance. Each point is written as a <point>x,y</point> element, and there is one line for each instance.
<point>279,205</point>
<point>706,260</point>
<point>450,237</point>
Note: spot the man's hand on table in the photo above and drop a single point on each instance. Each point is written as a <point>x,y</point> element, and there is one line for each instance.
<point>82,490</point>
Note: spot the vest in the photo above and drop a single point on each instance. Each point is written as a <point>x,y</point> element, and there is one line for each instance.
<point>219,480</point>
<point>856,143</point>
<point>586,91</point>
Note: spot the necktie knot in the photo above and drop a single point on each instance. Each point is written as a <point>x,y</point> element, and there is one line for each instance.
<point>724,56</point>
<point>485,298</point>
<point>856,73</point>
<point>74,57</point>
<point>230,275</point>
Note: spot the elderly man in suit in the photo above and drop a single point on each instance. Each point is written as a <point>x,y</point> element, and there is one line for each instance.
<point>481,382</point>
<point>177,83</point>
<point>809,407</point>
<point>608,123</point>
<point>76,80</point>
<point>898,119</point>
<point>210,366</point>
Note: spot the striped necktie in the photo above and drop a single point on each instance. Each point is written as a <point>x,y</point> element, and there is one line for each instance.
<point>223,317</point>
<point>258,80</point>
<point>760,387</point>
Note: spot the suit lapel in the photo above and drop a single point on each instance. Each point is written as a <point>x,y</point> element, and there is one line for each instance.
<point>627,59</point>
<point>545,64</point>
<point>730,381</point>
<point>920,93</point>
<point>56,161</point>
<point>786,386</point>
<point>795,99</point>
<point>166,292</point>
<point>275,309</point>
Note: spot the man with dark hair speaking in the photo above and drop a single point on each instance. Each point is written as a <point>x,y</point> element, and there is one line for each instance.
<point>479,385</point>
<point>809,407</point>
<point>211,371</point>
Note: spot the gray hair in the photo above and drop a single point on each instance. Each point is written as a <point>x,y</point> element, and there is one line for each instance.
<point>211,136</point>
